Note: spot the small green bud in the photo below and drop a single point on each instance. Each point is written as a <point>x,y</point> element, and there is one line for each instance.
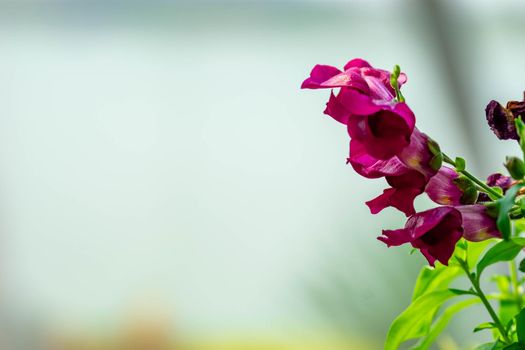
<point>470,192</point>
<point>436,162</point>
<point>393,81</point>
<point>516,167</point>
<point>395,84</point>
<point>460,164</point>
<point>397,70</point>
<point>433,146</point>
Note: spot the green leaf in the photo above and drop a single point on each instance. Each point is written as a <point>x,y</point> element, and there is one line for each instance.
<point>475,249</point>
<point>460,164</point>
<point>503,251</point>
<point>519,225</point>
<point>520,326</point>
<point>433,146</point>
<point>437,278</point>
<point>415,321</point>
<point>498,190</point>
<point>522,266</point>
<point>504,205</point>
<point>462,292</point>
<point>485,325</point>
<point>491,346</point>
<point>441,323</point>
<point>515,346</point>
<point>436,162</point>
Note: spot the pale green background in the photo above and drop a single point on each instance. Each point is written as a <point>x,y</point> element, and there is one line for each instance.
<point>162,151</point>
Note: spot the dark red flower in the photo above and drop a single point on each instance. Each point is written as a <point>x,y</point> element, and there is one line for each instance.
<point>434,232</point>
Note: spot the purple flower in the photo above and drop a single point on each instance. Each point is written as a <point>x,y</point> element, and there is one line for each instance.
<point>478,224</point>
<point>448,188</point>
<point>496,180</point>
<point>434,232</point>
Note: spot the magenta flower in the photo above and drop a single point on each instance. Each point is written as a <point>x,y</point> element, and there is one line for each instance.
<point>405,188</point>
<point>448,188</point>
<point>434,232</point>
<point>365,103</point>
<point>406,184</point>
<point>384,130</point>
<point>358,75</point>
<point>478,224</point>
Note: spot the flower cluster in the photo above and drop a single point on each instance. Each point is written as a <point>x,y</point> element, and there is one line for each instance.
<point>385,143</point>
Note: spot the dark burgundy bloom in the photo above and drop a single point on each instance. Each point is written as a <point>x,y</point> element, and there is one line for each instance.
<point>434,232</point>
<point>448,188</point>
<point>496,180</point>
<point>365,103</point>
<point>478,224</point>
<point>501,119</point>
<point>517,108</point>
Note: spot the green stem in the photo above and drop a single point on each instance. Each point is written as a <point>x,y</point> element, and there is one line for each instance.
<point>484,300</point>
<point>474,179</point>
<point>474,280</point>
<point>515,285</point>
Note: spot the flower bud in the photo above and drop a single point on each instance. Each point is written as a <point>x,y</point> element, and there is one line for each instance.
<point>447,187</point>
<point>516,167</point>
<point>479,222</point>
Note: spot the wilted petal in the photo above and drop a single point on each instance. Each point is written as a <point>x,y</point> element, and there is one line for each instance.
<point>501,121</point>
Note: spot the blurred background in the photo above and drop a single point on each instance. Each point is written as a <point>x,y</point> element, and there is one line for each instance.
<point>165,184</point>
